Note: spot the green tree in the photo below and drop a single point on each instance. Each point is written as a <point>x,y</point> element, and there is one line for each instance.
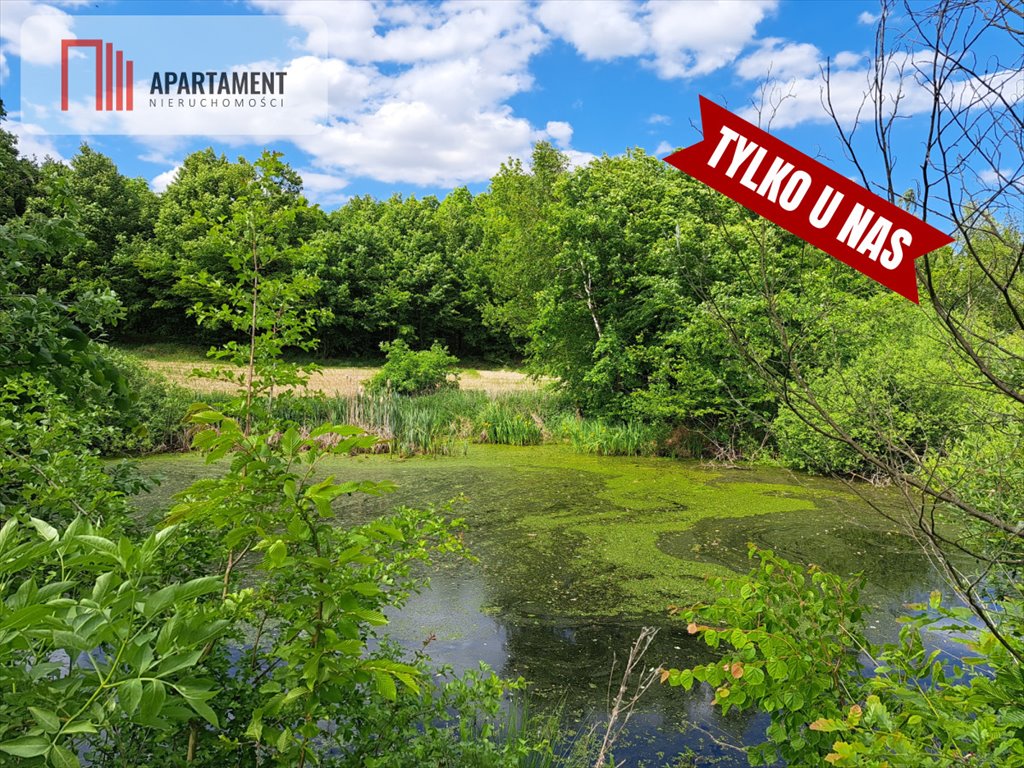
<point>113,214</point>
<point>518,243</point>
<point>18,175</point>
<point>205,192</point>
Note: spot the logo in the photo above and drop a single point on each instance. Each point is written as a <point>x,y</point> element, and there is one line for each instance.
<point>238,75</point>
<point>119,90</point>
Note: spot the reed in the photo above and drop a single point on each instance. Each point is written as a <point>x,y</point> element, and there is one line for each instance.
<point>631,438</point>
<point>444,423</point>
<point>503,423</point>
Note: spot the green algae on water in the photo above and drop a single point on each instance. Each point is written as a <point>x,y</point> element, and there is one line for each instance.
<point>564,535</point>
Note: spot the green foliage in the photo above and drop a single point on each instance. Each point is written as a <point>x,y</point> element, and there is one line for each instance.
<point>402,268</point>
<point>91,636</point>
<point>18,175</point>
<point>259,292</point>
<point>324,586</point>
<point>518,240</point>
<point>38,333</point>
<point>47,461</point>
<point>792,645</point>
<point>406,372</point>
<point>792,640</point>
<point>894,406</point>
<point>113,214</point>
<point>153,420</point>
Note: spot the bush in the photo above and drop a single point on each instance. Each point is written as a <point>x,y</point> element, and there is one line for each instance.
<point>792,643</point>
<point>415,373</point>
<point>152,422</point>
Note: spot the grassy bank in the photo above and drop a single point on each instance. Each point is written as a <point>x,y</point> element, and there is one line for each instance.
<point>500,407</point>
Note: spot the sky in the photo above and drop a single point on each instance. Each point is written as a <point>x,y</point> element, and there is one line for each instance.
<point>421,97</point>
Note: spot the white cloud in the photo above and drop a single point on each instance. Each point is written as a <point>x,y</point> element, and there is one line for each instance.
<point>323,188</point>
<point>578,159</point>
<point>417,142</point>
<point>780,60</point>
<point>560,133</point>
<point>676,39</point>
<point>160,182</point>
<point>51,24</point>
<point>33,141</point>
<point>992,175</point>
<point>848,59</point>
<point>696,38</point>
<point>664,148</point>
<point>597,29</point>
<point>657,119</point>
<point>805,96</point>
<point>866,17</point>
<point>418,93</point>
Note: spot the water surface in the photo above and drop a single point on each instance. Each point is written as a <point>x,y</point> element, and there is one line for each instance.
<point>575,553</point>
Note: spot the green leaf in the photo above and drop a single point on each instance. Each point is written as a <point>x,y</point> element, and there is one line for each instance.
<point>203,710</point>
<point>26,746</point>
<point>62,757</point>
<point>177,593</point>
<point>826,725</point>
<point>83,727</point>
<point>277,554</point>
<point>153,697</point>
<point>47,531</point>
<point>47,720</point>
<point>70,641</point>
<point>778,669</point>
<point>177,662</point>
<point>385,685</point>
<point>130,694</point>
<point>24,617</point>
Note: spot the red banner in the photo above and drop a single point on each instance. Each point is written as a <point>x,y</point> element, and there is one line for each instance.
<point>812,201</point>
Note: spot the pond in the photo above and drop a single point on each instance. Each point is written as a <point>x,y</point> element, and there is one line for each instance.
<point>575,553</point>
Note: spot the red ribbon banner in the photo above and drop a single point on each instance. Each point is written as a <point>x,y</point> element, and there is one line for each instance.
<point>815,203</point>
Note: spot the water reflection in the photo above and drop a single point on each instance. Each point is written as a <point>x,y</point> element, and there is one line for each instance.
<point>575,554</point>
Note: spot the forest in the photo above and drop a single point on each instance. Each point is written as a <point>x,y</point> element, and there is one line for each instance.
<point>667,337</point>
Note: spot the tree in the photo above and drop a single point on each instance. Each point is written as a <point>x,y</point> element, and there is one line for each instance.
<point>114,213</point>
<point>517,250</point>
<point>18,175</point>
<point>259,290</point>
<point>205,192</point>
<point>928,399</point>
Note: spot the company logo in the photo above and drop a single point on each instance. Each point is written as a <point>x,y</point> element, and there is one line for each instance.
<point>119,90</point>
<point>130,75</point>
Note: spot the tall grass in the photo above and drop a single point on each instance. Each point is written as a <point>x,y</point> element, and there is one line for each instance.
<point>445,423</point>
<point>631,438</point>
<point>504,424</point>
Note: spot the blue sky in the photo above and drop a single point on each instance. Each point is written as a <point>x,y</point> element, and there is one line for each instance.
<point>424,97</point>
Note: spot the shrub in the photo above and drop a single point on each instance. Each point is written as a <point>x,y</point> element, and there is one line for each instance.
<point>152,422</point>
<point>415,373</point>
<point>792,643</point>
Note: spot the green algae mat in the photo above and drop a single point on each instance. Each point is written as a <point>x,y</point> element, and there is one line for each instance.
<point>560,536</point>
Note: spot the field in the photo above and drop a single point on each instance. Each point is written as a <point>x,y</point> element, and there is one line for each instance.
<point>341,378</point>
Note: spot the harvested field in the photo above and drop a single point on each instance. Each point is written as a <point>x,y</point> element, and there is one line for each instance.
<point>347,381</point>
